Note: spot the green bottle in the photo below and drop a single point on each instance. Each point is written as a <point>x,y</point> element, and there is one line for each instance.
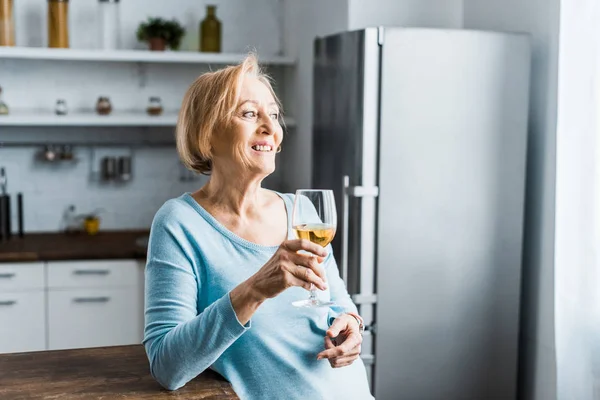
<point>210,31</point>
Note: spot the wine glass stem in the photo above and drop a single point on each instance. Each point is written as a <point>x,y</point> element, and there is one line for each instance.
<point>313,292</point>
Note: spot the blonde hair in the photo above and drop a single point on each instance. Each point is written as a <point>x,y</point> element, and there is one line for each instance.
<point>208,106</point>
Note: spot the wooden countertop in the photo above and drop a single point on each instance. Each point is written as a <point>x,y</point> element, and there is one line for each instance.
<point>120,372</point>
<point>79,246</point>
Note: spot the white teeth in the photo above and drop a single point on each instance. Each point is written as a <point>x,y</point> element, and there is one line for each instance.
<point>262,148</point>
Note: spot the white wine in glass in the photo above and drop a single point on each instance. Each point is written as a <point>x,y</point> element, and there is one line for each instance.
<point>314,219</point>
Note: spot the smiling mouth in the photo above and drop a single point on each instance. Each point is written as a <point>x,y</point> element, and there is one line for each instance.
<point>262,148</point>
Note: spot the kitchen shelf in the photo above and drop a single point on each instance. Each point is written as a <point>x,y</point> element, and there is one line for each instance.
<point>139,118</point>
<point>144,56</point>
<point>35,118</point>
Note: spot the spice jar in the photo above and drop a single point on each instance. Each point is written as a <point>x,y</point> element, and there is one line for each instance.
<point>210,31</point>
<point>103,106</point>
<point>7,23</point>
<point>154,106</point>
<point>61,107</point>
<point>3,106</point>
<point>58,23</point>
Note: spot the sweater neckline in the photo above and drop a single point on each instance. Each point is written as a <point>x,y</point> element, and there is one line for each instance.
<point>187,197</point>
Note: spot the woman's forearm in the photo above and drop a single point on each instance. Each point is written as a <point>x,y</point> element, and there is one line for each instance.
<point>245,301</point>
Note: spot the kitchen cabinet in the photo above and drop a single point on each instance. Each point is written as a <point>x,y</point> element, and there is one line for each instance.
<point>94,303</point>
<point>71,304</point>
<point>22,307</point>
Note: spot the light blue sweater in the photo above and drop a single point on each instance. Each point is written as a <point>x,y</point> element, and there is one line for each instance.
<point>193,264</point>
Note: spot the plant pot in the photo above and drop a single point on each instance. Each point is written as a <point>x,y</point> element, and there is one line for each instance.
<point>157,44</point>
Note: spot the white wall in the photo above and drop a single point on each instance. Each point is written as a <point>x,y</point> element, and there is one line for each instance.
<point>541,19</point>
<point>304,20</point>
<point>424,13</point>
<point>30,84</point>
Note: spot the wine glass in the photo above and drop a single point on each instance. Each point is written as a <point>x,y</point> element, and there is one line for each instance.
<point>314,218</point>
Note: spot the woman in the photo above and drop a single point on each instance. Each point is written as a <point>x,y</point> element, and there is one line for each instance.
<point>223,267</point>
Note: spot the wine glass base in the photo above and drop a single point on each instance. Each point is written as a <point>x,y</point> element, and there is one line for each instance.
<point>312,303</point>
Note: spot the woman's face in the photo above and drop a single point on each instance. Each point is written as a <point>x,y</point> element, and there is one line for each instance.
<point>250,142</point>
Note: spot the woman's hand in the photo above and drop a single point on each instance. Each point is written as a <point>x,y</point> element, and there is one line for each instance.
<point>285,269</point>
<point>348,340</point>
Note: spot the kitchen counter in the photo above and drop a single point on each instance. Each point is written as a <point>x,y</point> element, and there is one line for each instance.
<point>105,372</point>
<point>80,246</point>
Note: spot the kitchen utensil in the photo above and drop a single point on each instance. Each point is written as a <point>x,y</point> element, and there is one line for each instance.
<point>109,168</point>
<point>5,228</point>
<point>124,168</point>
<point>20,213</point>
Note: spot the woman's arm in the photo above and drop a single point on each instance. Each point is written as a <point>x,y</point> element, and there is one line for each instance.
<point>339,293</point>
<point>181,343</point>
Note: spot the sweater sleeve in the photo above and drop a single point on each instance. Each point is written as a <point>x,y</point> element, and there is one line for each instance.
<point>337,288</point>
<point>181,341</point>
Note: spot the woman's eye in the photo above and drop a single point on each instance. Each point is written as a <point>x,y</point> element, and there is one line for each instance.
<point>275,116</point>
<point>249,114</point>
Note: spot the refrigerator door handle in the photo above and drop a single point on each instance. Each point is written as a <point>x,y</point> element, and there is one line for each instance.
<point>345,210</point>
<point>351,191</point>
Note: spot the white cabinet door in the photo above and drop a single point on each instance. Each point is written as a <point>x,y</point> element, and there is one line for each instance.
<point>94,317</point>
<point>15,277</point>
<point>95,273</point>
<point>22,321</point>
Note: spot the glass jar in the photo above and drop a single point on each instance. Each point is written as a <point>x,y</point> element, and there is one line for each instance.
<point>210,31</point>
<point>7,23</point>
<point>3,106</point>
<point>109,24</point>
<point>154,106</point>
<point>61,107</point>
<point>103,106</point>
<point>58,24</point>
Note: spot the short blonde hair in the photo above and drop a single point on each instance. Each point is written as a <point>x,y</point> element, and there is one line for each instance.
<point>208,106</point>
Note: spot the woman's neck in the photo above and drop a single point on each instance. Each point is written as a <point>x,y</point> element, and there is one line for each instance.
<point>232,194</point>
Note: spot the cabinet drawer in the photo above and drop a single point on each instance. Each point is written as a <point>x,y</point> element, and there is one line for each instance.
<point>94,317</point>
<point>79,274</point>
<point>22,321</point>
<point>21,276</point>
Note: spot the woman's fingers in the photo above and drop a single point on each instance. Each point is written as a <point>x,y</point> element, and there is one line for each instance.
<point>298,282</point>
<point>309,262</point>
<point>307,275</point>
<point>342,361</point>
<point>306,245</point>
<point>347,347</point>
<point>345,359</point>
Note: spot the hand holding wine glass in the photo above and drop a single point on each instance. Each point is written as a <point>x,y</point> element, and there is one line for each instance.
<point>315,219</point>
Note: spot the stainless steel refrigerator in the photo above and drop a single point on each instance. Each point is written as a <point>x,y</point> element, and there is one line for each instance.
<point>422,135</point>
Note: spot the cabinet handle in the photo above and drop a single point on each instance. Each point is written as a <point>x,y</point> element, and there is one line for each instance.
<point>91,272</point>
<point>91,299</point>
<point>7,276</point>
<point>8,303</point>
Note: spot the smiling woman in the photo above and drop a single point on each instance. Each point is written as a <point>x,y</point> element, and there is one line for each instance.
<point>223,268</point>
<point>239,97</point>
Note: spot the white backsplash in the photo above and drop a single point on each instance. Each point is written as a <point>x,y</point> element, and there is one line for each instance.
<point>48,189</point>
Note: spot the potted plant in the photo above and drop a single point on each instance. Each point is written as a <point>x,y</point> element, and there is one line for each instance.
<point>160,33</point>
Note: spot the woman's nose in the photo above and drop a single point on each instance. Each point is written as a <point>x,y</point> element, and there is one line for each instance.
<point>268,126</point>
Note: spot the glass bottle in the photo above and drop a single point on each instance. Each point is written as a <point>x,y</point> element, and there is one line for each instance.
<point>7,23</point>
<point>3,106</point>
<point>58,24</point>
<point>109,24</point>
<point>210,31</point>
